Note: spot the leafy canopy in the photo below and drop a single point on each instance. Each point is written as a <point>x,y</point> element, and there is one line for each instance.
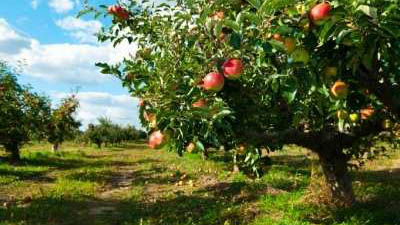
<point>285,94</point>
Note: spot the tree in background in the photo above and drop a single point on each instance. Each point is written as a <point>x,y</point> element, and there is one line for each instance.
<point>62,124</point>
<point>23,113</point>
<point>106,132</point>
<point>261,73</point>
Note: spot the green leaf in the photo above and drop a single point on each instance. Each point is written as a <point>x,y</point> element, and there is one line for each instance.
<point>369,11</point>
<point>233,25</point>
<point>200,145</point>
<point>255,3</point>
<point>235,40</point>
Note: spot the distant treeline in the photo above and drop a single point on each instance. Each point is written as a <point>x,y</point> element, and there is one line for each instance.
<point>108,133</point>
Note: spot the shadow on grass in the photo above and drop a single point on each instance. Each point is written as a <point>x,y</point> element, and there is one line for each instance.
<point>117,179</point>
<point>64,162</point>
<point>378,201</point>
<point>215,203</point>
<point>38,176</point>
<point>378,198</point>
<point>214,208</point>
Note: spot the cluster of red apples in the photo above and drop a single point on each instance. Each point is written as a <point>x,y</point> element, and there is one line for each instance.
<point>214,81</point>
<point>233,68</point>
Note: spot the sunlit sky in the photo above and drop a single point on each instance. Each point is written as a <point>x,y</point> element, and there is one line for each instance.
<point>59,52</point>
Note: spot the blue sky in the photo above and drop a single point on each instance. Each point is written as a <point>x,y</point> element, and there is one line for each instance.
<point>59,51</point>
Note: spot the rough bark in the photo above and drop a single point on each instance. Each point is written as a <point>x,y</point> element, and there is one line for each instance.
<point>337,178</point>
<point>329,145</point>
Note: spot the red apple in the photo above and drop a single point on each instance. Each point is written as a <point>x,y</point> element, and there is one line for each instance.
<point>233,68</point>
<point>220,15</point>
<point>141,102</point>
<point>290,44</point>
<point>320,12</point>
<point>277,37</point>
<point>118,11</point>
<point>150,117</point>
<point>199,103</point>
<point>190,147</point>
<point>157,139</point>
<point>366,113</point>
<point>222,37</point>
<point>339,89</point>
<point>213,81</point>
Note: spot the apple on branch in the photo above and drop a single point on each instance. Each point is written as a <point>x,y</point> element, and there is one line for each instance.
<point>213,81</point>
<point>157,140</point>
<point>233,68</point>
<point>320,13</point>
<point>339,89</point>
<point>118,11</point>
<point>201,103</point>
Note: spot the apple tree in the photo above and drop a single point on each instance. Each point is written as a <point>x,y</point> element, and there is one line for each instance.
<point>247,74</point>
<point>62,122</point>
<point>23,113</point>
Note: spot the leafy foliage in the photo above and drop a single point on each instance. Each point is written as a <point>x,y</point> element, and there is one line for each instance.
<point>63,124</point>
<point>23,113</point>
<point>284,96</point>
<point>106,132</point>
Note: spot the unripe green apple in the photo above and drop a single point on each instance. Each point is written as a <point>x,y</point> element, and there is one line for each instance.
<point>330,71</point>
<point>354,117</point>
<point>387,124</point>
<point>342,114</point>
<point>301,55</point>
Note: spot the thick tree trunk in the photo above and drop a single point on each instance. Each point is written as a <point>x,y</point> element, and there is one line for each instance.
<point>14,150</point>
<point>205,154</point>
<point>55,147</point>
<point>337,178</point>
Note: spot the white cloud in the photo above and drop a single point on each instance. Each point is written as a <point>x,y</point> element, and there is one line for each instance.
<point>61,6</point>
<point>11,41</point>
<point>121,109</point>
<point>82,30</point>
<point>35,4</point>
<point>71,63</point>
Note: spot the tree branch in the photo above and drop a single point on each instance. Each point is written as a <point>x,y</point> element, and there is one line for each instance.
<point>327,141</point>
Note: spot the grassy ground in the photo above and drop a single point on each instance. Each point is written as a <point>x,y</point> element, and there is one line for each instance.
<point>135,185</point>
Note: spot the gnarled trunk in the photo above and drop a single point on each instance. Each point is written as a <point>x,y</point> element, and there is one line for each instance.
<point>334,167</point>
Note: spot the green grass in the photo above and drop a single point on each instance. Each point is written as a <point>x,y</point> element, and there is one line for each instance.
<point>131,184</point>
